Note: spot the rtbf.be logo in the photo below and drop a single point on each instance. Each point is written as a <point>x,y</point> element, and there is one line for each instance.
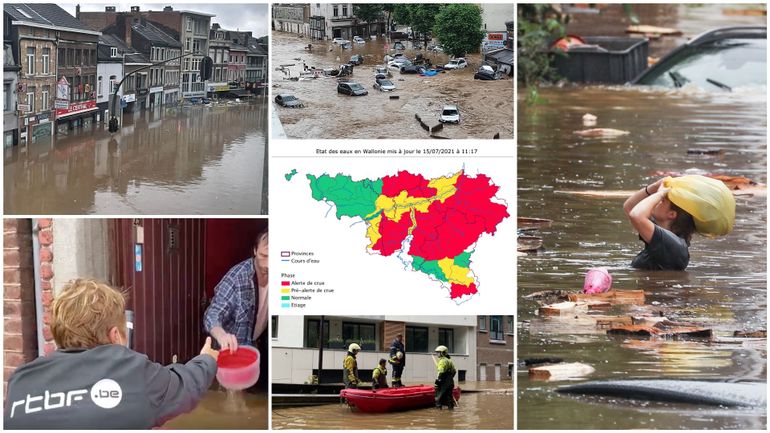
<point>105,393</point>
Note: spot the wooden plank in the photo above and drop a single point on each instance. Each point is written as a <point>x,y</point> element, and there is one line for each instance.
<point>762,333</point>
<point>653,30</point>
<point>663,332</point>
<point>601,132</point>
<point>562,308</point>
<point>523,223</point>
<point>561,371</point>
<point>744,12</point>
<point>528,243</point>
<point>614,297</point>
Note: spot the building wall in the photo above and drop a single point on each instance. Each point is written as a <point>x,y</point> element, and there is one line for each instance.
<point>81,250</point>
<point>19,317</point>
<point>37,82</point>
<point>495,355</point>
<point>495,15</point>
<point>10,116</point>
<point>105,71</point>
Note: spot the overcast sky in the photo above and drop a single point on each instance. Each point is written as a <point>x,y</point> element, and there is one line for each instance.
<point>242,17</point>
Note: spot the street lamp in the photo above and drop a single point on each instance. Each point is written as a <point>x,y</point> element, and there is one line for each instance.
<point>206,65</point>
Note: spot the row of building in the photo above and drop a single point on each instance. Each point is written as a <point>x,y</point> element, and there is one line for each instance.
<point>60,71</point>
<point>481,346</point>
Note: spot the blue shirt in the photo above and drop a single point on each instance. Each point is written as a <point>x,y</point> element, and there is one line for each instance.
<point>234,305</point>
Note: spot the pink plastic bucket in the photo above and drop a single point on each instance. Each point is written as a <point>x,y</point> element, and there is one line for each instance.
<point>598,280</point>
<point>239,370</point>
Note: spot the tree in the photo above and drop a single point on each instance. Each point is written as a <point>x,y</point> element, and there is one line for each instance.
<point>368,12</point>
<point>424,18</point>
<point>458,28</point>
<point>402,14</point>
<point>389,8</point>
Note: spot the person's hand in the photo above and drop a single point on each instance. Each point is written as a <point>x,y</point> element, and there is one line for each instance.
<point>207,350</point>
<point>664,190</point>
<point>226,341</point>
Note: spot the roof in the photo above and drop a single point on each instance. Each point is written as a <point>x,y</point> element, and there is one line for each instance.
<point>503,55</point>
<point>255,47</point>
<point>236,47</point>
<point>136,58</point>
<point>105,45</point>
<point>45,15</point>
<point>155,34</point>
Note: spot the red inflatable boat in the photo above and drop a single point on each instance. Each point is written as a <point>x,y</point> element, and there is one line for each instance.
<point>392,399</point>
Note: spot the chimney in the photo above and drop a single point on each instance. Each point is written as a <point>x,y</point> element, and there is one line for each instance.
<point>77,11</point>
<point>126,23</point>
<point>168,9</point>
<point>215,26</point>
<point>134,8</point>
<point>109,9</point>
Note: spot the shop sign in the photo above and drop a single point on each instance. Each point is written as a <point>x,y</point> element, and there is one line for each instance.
<point>76,107</point>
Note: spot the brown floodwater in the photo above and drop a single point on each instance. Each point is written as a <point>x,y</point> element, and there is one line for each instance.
<point>490,408</point>
<point>486,107</point>
<point>724,288</point>
<point>186,160</point>
<point>225,410</point>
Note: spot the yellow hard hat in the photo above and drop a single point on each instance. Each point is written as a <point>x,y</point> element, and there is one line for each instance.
<point>354,347</point>
<point>441,349</point>
<point>399,355</point>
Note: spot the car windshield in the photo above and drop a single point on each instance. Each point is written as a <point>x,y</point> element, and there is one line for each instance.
<point>355,86</point>
<point>386,83</point>
<point>288,98</point>
<point>725,64</point>
<point>450,113</point>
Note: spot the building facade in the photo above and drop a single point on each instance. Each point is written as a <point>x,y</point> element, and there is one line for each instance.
<point>219,51</point>
<point>292,18</point>
<point>109,72</point>
<point>295,345</point>
<point>236,67</point>
<point>494,343</point>
<point>337,20</point>
<point>10,83</point>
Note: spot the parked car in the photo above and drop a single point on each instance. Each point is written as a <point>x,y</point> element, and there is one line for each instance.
<point>382,70</point>
<point>412,69</point>
<point>398,46</point>
<point>384,85</point>
<point>436,48</point>
<point>457,63</point>
<point>486,72</point>
<point>450,114</point>
<point>287,100</point>
<point>358,40</point>
<point>356,59</point>
<point>351,88</point>
<point>340,41</point>
<point>723,58</point>
<point>398,63</point>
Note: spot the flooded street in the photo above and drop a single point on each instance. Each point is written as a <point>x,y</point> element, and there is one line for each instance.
<point>187,160</point>
<point>486,107</point>
<point>723,288</point>
<point>223,410</point>
<point>490,407</point>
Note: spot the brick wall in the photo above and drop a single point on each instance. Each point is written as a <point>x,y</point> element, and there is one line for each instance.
<point>45,237</point>
<point>20,335</point>
<point>491,352</point>
<point>389,332</point>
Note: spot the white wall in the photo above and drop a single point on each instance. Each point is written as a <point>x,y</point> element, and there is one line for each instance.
<point>80,250</point>
<point>105,70</point>
<point>495,15</point>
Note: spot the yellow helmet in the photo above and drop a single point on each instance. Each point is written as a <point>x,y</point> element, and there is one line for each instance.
<point>399,355</point>
<point>354,347</point>
<point>441,349</point>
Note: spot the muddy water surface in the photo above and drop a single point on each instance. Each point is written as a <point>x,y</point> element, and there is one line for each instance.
<point>188,160</point>
<point>223,410</point>
<point>489,408</point>
<point>486,107</point>
<point>725,286</point>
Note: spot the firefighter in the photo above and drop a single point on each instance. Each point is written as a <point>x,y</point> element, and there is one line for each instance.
<point>380,375</point>
<point>350,367</point>
<point>397,360</point>
<point>445,384</point>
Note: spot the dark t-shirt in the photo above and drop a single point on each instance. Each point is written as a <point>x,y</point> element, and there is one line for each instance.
<point>665,252</point>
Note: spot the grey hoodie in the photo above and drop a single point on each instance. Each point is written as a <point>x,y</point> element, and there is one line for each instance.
<point>107,387</point>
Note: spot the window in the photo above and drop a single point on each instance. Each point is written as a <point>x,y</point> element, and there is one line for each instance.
<point>311,333</point>
<point>31,99</point>
<point>70,57</point>
<point>113,52</point>
<point>446,337</point>
<point>188,44</point>
<point>99,87</point>
<point>274,327</point>
<point>189,24</point>
<point>62,60</point>
<point>196,45</point>
<point>510,325</point>
<point>336,13</point>
<point>344,10</point>
<point>496,328</point>
<point>482,323</point>
<point>113,83</point>
<point>31,60</point>
<point>416,339</point>
<point>357,332</point>
<point>7,94</point>
<point>46,59</point>
<point>44,98</point>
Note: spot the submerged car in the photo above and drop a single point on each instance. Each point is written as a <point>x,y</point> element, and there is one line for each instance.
<point>356,59</point>
<point>351,88</point>
<point>723,58</point>
<point>457,63</point>
<point>384,85</point>
<point>340,41</point>
<point>412,69</point>
<point>485,72</point>
<point>450,114</point>
<point>358,40</point>
<point>287,100</point>
<point>382,70</point>
<point>398,63</point>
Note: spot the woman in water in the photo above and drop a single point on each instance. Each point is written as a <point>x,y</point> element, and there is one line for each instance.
<point>664,228</point>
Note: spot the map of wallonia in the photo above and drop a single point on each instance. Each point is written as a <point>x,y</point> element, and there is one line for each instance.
<point>431,225</point>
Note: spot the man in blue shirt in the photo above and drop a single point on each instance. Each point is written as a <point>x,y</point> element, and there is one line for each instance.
<point>238,313</point>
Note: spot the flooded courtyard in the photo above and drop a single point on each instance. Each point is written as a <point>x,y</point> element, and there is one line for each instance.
<point>486,107</point>
<point>186,160</point>
<point>482,406</point>
<point>225,410</point>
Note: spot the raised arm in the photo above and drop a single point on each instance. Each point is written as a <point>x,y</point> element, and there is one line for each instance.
<point>641,212</point>
<point>640,195</point>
